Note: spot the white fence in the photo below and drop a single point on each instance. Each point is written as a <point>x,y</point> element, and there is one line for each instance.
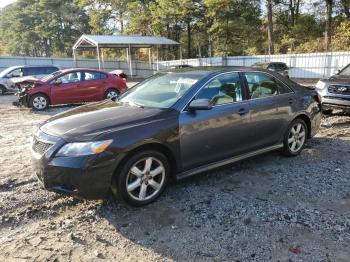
<point>140,69</point>
<point>311,65</point>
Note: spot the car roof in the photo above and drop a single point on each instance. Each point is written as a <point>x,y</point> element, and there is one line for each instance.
<point>213,69</point>
<point>82,69</point>
<point>31,66</point>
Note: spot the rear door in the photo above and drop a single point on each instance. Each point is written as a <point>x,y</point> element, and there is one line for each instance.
<point>272,104</point>
<point>212,135</point>
<point>92,86</point>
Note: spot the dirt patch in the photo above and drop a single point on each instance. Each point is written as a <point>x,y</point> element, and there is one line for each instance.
<point>266,208</point>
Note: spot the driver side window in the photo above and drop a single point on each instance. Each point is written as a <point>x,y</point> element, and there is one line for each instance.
<point>72,77</point>
<point>15,73</point>
<point>223,89</point>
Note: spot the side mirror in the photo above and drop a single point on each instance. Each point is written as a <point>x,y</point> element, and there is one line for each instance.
<point>337,72</point>
<point>58,82</point>
<point>200,104</point>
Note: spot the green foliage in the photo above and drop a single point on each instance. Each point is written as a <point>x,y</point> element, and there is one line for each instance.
<point>203,27</point>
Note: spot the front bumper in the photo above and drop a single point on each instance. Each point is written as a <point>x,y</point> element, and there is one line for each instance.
<point>84,177</point>
<point>330,102</point>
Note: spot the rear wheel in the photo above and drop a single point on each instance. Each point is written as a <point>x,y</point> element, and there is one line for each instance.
<point>112,93</point>
<point>143,178</point>
<point>2,90</point>
<point>39,102</point>
<point>295,138</point>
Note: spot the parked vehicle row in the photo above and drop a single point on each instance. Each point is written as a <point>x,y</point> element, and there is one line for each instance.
<point>175,124</point>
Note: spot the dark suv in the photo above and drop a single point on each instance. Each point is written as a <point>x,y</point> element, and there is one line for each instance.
<point>278,67</point>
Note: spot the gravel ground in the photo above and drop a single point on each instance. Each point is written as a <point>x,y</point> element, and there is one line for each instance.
<point>267,208</point>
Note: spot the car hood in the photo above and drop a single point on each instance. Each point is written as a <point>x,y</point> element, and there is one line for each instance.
<point>29,79</point>
<point>339,79</point>
<point>86,122</point>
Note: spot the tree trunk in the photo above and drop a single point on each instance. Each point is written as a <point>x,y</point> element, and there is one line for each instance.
<point>270,27</point>
<point>189,38</point>
<point>346,7</point>
<point>328,31</point>
<point>121,20</point>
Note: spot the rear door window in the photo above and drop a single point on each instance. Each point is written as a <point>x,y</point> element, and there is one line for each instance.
<point>264,85</point>
<point>91,76</point>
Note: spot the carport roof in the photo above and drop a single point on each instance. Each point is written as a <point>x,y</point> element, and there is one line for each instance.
<point>121,41</point>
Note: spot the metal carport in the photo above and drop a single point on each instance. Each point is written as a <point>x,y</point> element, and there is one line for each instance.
<point>121,41</point>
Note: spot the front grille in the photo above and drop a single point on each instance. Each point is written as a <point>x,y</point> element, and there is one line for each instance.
<point>40,147</point>
<point>339,89</point>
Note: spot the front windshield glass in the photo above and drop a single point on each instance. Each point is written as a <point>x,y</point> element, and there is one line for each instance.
<point>162,90</point>
<point>345,71</point>
<point>50,76</point>
<point>6,71</point>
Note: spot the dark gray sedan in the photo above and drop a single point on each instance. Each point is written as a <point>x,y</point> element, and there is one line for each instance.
<point>172,125</point>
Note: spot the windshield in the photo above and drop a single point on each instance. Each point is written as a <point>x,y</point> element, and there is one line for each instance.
<point>6,71</point>
<point>345,71</point>
<point>50,76</point>
<point>162,90</point>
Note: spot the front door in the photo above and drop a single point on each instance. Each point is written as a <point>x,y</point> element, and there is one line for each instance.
<point>211,135</point>
<point>66,88</point>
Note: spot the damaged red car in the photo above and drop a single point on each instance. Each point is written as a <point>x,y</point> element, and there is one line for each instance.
<point>70,86</point>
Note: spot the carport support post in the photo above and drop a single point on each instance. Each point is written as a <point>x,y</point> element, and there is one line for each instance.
<point>130,61</point>
<point>157,58</point>
<point>103,60</point>
<point>150,58</point>
<point>75,58</point>
<point>98,57</point>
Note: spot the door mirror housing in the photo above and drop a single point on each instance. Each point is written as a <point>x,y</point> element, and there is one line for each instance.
<point>200,104</point>
<point>57,82</point>
<point>337,72</point>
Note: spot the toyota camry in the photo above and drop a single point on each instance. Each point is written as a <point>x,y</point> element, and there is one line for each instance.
<point>174,124</point>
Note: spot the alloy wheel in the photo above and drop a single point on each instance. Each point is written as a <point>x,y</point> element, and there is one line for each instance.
<point>145,179</point>
<point>111,94</point>
<point>39,102</point>
<point>296,137</point>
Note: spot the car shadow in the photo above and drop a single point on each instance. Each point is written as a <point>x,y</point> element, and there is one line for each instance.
<point>213,215</point>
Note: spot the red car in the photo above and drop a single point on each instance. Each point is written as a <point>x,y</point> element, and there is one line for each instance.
<point>70,86</point>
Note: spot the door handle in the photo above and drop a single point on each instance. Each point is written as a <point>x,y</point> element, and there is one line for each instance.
<point>291,101</point>
<point>242,111</point>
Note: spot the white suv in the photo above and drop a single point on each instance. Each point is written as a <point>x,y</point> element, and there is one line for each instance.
<point>12,75</point>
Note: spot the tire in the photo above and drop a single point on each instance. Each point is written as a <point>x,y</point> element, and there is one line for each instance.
<point>112,93</point>
<point>295,138</point>
<point>136,185</point>
<point>2,90</point>
<point>39,102</point>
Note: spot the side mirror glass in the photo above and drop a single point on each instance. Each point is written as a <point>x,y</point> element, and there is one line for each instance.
<point>200,104</point>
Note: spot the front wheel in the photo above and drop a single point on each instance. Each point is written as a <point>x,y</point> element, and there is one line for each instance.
<point>39,102</point>
<point>295,138</point>
<point>143,178</point>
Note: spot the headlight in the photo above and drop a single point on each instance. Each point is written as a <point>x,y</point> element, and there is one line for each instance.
<point>84,148</point>
<point>320,85</point>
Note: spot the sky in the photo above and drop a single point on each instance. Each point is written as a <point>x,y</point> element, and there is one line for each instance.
<point>4,3</point>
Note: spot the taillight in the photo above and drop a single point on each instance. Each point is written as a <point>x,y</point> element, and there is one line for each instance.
<point>317,98</point>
